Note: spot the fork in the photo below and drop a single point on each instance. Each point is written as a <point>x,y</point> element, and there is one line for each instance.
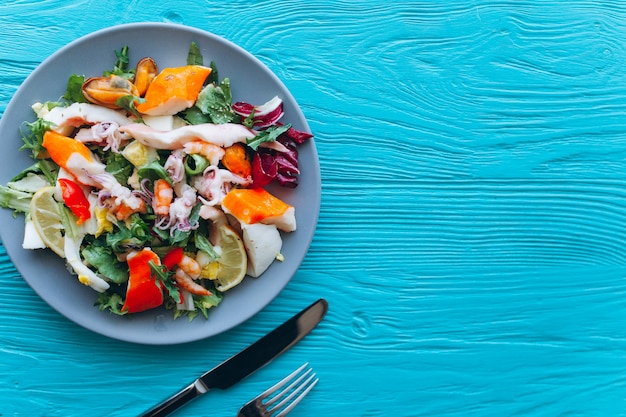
<point>293,394</point>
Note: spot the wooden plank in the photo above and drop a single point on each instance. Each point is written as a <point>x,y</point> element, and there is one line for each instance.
<point>471,235</point>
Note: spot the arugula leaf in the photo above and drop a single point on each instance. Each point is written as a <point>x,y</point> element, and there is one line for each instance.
<point>194,56</point>
<point>215,101</point>
<point>249,121</point>
<point>206,302</point>
<point>74,92</point>
<point>104,260</point>
<point>203,244</point>
<point>202,303</point>
<point>268,135</point>
<point>129,103</point>
<point>179,237</point>
<point>163,235</point>
<point>154,170</point>
<point>122,58</point>
<point>135,235</point>
<point>213,77</point>
<point>120,67</point>
<point>163,279</point>
<point>194,116</point>
<point>118,166</point>
<point>121,239</point>
<point>139,228</point>
<point>112,302</point>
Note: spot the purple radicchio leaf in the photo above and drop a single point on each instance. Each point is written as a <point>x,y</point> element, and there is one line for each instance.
<point>264,169</point>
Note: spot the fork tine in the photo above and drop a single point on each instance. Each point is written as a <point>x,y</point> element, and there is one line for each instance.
<point>299,383</point>
<point>298,398</point>
<point>281,383</point>
<point>295,387</point>
<point>289,387</point>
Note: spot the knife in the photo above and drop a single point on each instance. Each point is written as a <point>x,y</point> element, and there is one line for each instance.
<point>247,361</point>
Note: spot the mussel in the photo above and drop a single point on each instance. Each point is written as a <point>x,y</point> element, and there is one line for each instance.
<point>105,91</point>
<point>145,72</point>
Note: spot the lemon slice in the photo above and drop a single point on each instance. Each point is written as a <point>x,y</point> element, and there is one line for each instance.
<point>233,262</point>
<point>44,212</point>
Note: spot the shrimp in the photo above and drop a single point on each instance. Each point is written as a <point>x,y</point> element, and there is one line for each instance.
<point>187,270</point>
<point>190,266</point>
<point>186,282</point>
<point>211,152</point>
<point>180,210</point>
<point>163,196</point>
<point>123,210</point>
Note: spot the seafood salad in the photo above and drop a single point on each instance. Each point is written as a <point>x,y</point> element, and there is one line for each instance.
<point>151,184</point>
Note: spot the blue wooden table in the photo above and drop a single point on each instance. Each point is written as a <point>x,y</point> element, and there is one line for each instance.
<point>471,238</point>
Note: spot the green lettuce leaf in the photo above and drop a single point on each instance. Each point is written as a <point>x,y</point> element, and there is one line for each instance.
<point>102,258</point>
<point>118,166</point>
<point>74,91</point>
<point>215,101</point>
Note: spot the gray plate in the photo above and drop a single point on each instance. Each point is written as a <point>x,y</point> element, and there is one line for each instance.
<point>168,44</point>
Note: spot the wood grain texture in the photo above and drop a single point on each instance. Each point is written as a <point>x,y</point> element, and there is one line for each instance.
<point>472,229</point>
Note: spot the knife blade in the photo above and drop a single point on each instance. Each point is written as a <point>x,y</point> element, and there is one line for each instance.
<point>252,358</point>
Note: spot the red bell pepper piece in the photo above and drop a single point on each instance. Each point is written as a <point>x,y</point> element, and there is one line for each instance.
<point>75,199</point>
<point>142,293</point>
<point>173,258</point>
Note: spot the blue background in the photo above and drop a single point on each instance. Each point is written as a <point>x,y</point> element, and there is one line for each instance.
<point>473,219</point>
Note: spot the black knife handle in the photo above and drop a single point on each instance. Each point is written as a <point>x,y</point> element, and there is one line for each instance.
<point>177,400</point>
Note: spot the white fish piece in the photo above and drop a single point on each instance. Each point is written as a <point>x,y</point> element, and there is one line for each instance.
<point>223,135</point>
<point>32,240</point>
<point>65,119</point>
<point>263,244</point>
